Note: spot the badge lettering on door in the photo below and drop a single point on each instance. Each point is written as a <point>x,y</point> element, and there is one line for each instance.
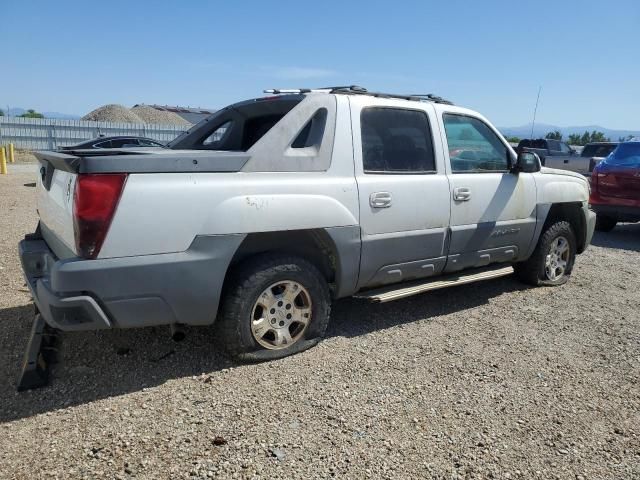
<point>505,231</point>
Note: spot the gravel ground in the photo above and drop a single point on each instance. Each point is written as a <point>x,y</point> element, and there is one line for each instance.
<point>493,380</point>
<point>25,156</point>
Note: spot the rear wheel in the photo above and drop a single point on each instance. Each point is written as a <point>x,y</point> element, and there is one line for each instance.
<point>605,224</point>
<point>274,306</point>
<point>552,261</point>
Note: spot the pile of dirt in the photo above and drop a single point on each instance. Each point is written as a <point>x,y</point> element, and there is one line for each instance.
<point>113,113</point>
<point>151,115</point>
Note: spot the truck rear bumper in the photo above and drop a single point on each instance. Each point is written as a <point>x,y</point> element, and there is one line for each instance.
<point>77,294</point>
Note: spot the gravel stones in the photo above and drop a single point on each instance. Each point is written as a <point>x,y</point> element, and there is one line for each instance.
<point>138,114</point>
<point>151,115</point>
<point>113,113</point>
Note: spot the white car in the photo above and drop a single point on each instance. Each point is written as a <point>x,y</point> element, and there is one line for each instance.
<point>258,217</point>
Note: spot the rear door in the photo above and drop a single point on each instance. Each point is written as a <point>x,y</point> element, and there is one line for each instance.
<point>493,211</point>
<point>403,190</point>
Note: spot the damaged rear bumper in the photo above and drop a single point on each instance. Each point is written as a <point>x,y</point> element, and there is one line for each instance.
<point>77,294</point>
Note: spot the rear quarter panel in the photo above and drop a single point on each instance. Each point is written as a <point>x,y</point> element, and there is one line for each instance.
<point>163,213</point>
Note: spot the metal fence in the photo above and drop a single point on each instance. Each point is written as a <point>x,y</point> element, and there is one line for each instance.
<point>50,133</point>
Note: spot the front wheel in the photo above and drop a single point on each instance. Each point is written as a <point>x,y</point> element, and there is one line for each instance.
<point>274,306</point>
<point>552,260</point>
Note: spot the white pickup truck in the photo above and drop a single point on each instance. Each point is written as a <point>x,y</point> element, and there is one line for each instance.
<point>258,217</point>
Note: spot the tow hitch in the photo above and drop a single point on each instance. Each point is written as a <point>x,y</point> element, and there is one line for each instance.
<point>41,352</point>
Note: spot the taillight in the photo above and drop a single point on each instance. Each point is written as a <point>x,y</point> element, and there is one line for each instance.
<point>95,200</point>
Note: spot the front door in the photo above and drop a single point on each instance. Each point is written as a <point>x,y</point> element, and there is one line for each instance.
<point>403,191</point>
<point>493,211</point>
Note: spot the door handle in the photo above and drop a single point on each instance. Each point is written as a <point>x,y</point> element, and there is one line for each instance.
<point>380,199</point>
<point>461,194</point>
<point>566,160</point>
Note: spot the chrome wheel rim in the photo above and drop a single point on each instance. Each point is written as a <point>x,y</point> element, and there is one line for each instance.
<point>557,259</point>
<point>281,315</point>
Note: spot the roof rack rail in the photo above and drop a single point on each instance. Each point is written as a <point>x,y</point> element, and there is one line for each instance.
<point>309,90</point>
<point>358,90</point>
<point>354,89</point>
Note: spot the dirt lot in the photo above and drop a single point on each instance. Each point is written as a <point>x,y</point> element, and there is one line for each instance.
<point>493,380</point>
<point>23,156</point>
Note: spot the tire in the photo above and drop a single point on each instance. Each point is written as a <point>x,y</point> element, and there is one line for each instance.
<point>536,271</point>
<point>605,224</point>
<point>273,306</point>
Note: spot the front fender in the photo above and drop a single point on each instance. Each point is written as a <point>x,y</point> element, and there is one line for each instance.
<point>563,190</point>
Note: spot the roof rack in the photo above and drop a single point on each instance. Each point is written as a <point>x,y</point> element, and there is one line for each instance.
<point>358,90</point>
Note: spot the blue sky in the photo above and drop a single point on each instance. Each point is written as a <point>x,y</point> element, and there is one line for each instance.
<point>72,56</point>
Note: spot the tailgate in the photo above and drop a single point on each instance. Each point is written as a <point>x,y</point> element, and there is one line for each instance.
<point>55,188</point>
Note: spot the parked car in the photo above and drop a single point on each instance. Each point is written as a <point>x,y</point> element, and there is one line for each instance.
<point>555,154</point>
<point>116,142</point>
<point>258,217</point>
<point>615,187</point>
<point>596,152</point>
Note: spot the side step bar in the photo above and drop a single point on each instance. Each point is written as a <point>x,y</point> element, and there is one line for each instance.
<point>396,292</point>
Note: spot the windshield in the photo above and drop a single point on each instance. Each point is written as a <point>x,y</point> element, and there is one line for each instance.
<point>626,155</point>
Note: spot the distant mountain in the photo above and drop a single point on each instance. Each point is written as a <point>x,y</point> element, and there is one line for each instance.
<point>541,129</point>
<point>17,111</point>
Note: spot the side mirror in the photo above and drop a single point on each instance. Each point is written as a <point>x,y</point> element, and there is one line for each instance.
<point>527,162</point>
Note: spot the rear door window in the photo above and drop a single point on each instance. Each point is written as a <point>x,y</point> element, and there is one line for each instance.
<point>396,140</point>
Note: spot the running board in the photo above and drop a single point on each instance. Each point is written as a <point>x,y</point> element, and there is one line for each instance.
<point>396,292</point>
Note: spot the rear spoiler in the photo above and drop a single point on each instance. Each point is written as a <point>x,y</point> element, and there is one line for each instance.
<point>140,161</point>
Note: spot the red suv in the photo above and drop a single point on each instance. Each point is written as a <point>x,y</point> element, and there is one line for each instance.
<point>615,187</point>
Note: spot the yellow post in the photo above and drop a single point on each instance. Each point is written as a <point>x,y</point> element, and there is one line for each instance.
<point>12,156</point>
<point>3,162</point>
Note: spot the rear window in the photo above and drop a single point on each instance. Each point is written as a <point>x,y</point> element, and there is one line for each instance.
<point>526,143</point>
<point>237,127</point>
<point>597,150</point>
<point>626,155</point>
<point>553,145</point>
